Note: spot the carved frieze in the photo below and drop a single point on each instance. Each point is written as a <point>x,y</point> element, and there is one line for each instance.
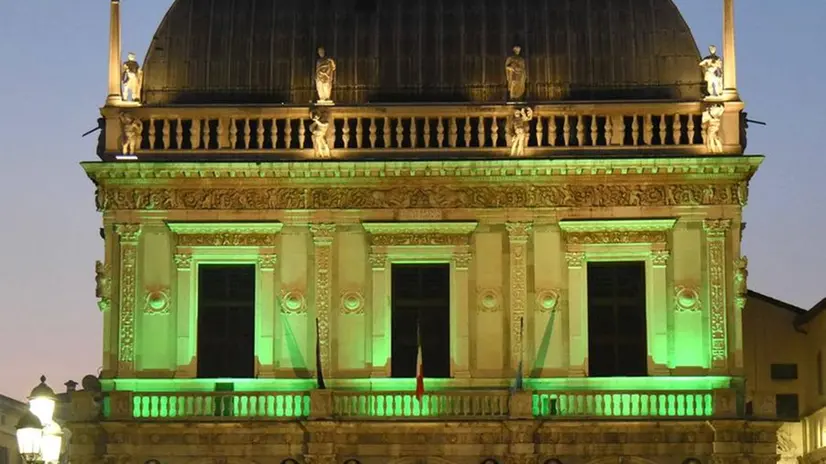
<point>226,239</point>
<point>716,230</point>
<point>135,197</point>
<point>129,235</point>
<point>226,234</point>
<point>157,301</point>
<point>603,232</point>
<point>420,233</point>
<point>609,237</point>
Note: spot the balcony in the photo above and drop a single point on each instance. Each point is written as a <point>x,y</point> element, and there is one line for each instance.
<point>444,130</point>
<point>476,405</point>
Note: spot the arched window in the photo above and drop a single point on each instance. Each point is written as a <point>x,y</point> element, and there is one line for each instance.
<point>692,461</point>
<point>289,461</point>
<point>553,461</point>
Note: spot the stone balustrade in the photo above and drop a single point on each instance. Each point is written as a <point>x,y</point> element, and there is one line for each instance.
<point>437,405</point>
<point>563,128</point>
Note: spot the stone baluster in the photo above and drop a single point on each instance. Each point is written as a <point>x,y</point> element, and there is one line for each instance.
<point>663,129</point>
<point>179,134</point>
<point>648,130</point>
<point>359,133</point>
<point>677,129</point>
<point>373,136</point>
<point>566,130</point>
<point>427,132</point>
<point>259,133</point>
<point>440,133</point>
<point>454,133</point>
<point>494,132</point>
<point>635,130</point>
<point>288,134</point>
<point>345,133</point>
<point>302,134</point>
<point>166,135</point>
<point>195,134</point>
<point>480,131</point>
<point>540,123</point>
<point>399,133</point>
<point>274,134</point>
<point>468,131</point>
<point>414,135</point>
<point>552,128</point>
<point>233,133</point>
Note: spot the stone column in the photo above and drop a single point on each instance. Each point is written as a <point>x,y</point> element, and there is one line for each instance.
<point>577,314</point>
<point>518,234</point>
<point>460,321</point>
<point>323,235</point>
<point>265,345</point>
<point>658,313</point>
<point>379,312</point>
<point>729,51</point>
<point>115,64</point>
<point>186,317</point>
<point>129,236</point>
<point>716,230</point>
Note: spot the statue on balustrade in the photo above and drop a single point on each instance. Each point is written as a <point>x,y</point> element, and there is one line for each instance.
<point>132,79</point>
<point>712,67</point>
<point>318,131</point>
<point>325,74</point>
<point>132,132</point>
<point>102,286</point>
<point>517,75</point>
<point>711,122</point>
<point>521,131</point>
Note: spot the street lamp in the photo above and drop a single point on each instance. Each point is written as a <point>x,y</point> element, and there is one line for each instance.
<point>39,438</point>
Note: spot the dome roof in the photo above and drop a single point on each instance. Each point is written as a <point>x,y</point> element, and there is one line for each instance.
<point>264,51</point>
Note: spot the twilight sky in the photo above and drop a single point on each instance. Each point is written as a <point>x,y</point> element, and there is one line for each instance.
<point>53,73</point>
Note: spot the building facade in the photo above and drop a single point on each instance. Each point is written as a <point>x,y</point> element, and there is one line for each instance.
<point>536,204</point>
<point>10,412</point>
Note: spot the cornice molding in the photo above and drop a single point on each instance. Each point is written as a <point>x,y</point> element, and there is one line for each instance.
<point>186,228</point>
<point>617,225</point>
<point>191,234</point>
<point>419,233</point>
<point>695,168</point>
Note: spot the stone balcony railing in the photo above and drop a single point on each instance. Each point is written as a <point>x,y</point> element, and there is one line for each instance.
<point>438,405</point>
<point>675,127</point>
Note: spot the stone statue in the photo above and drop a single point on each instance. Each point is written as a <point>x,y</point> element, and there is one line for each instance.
<point>521,131</point>
<point>102,287</point>
<point>741,277</point>
<point>711,122</point>
<point>516,74</point>
<point>132,79</point>
<point>318,131</point>
<point>712,66</point>
<point>132,129</point>
<point>325,74</point>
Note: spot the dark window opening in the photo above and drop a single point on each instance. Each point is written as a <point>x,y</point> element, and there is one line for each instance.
<point>420,301</point>
<point>784,371</point>
<point>226,321</point>
<point>617,341</point>
<point>787,406</point>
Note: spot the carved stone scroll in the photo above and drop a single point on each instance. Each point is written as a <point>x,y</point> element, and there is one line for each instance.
<point>129,235</point>
<point>518,235</point>
<point>323,235</point>
<point>716,230</point>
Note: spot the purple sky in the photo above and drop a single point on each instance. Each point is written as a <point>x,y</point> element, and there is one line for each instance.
<point>53,79</point>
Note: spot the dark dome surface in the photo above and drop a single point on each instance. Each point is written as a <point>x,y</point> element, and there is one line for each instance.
<point>264,51</point>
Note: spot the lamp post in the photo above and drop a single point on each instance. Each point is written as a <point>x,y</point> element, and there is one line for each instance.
<point>39,438</point>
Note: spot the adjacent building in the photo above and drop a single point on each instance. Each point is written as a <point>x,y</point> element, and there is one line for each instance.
<point>10,412</point>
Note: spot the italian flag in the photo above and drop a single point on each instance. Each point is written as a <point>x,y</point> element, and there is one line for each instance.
<point>419,371</point>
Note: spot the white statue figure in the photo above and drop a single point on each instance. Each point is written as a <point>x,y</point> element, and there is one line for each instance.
<point>132,129</point>
<point>318,131</point>
<point>712,66</point>
<point>325,74</point>
<point>102,286</point>
<point>521,131</point>
<point>711,122</point>
<point>516,74</point>
<point>132,79</point>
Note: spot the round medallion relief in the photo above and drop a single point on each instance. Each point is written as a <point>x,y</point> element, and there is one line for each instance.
<point>157,302</point>
<point>489,300</point>
<point>687,299</point>
<point>352,302</point>
<point>547,300</point>
<point>292,302</point>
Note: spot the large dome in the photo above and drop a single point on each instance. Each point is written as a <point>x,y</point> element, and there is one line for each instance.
<point>263,51</point>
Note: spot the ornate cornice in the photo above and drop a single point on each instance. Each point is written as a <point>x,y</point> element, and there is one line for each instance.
<point>225,234</point>
<point>716,228</point>
<point>698,168</point>
<point>616,231</point>
<point>129,233</point>
<point>419,233</point>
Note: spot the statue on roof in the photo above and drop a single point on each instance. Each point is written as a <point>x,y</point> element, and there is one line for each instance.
<point>516,74</point>
<point>318,134</point>
<point>132,132</point>
<point>520,131</point>
<point>325,74</point>
<point>711,123</point>
<point>712,66</point>
<point>132,79</point>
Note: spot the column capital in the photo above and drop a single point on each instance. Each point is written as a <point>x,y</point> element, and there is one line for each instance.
<point>377,260</point>
<point>323,233</point>
<point>183,261</point>
<point>716,227</point>
<point>575,259</point>
<point>462,260</point>
<point>659,258</point>
<point>518,231</point>
<point>128,232</point>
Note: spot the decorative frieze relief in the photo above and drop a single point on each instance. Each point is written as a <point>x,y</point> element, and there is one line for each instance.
<point>293,302</point>
<point>420,233</point>
<point>226,234</point>
<point>129,235</point>
<point>603,232</point>
<point>489,300</point>
<point>548,300</point>
<point>352,302</point>
<point>716,230</point>
<point>687,299</point>
<point>103,285</point>
<point>157,301</point>
<point>428,196</point>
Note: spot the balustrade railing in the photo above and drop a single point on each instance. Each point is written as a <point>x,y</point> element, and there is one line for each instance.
<point>435,405</point>
<point>609,126</point>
